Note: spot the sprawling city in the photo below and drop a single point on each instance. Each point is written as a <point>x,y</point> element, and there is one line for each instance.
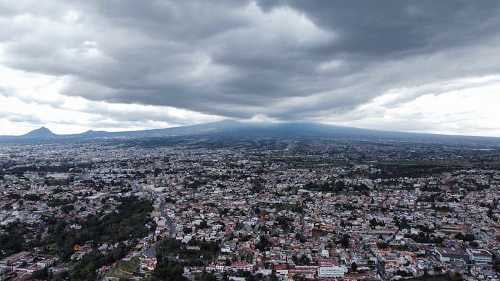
<point>249,140</point>
<point>249,209</point>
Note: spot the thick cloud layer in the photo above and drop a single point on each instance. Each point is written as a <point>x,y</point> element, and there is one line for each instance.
<point>324,60</point>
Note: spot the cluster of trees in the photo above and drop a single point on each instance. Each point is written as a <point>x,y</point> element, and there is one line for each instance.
<point>426,238</point>
<point>496,263</point>
<point>442,277</point>
<point>86,268</point>
<point>11,239</point>
<point>345,241</point>
<point>401,223</point>
<point>412,170</point>
<point>44,169</point>
<point>206,276</point>
<point>264,244</point>
<point>302,260</point>
<point>172,255</point>
<point>258,184</point>
<point>128,223</point>
<point>285,223</point>
<point>374,223</point>
<point>31,197</point>
<point>292,207</point>
<point>333,186</point>
<point>469,237</point>
<point>169,249</point>
<point>168,270</point>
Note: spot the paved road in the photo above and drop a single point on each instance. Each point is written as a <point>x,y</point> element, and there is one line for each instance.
<point>151,249</point>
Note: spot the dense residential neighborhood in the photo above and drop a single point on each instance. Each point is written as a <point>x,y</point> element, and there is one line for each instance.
<point>250,140</point>
<point>279,209</point>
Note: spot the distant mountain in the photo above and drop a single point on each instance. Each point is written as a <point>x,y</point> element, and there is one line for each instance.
<point>41,133</point>
<point>236,129</point>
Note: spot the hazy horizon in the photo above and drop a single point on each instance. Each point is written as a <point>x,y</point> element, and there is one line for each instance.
<point>243,123</point>
<point>426,66</point>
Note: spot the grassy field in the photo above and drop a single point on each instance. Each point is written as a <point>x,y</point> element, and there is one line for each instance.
<point>124,269</point>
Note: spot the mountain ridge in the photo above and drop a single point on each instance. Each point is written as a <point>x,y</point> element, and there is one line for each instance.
<point>41,132</point>
<point>233,128</point>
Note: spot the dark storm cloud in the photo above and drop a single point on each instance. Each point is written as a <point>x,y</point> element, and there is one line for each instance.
<point>392,26</point>
<point>284,59</point>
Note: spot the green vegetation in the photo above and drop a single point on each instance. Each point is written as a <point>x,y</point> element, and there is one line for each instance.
<point>86,268</point>
<point>167,270</point>
<point>11,240</point>
<point>194,253</point>
<point>426,238</point>
<point>415,169</point>
<point>206,276</point>
<point>335,186</point>
<point>329,186</point>
<point>173,255</point>
<point>128,223</point>
<point>444,277</point>
<point>124,269</point>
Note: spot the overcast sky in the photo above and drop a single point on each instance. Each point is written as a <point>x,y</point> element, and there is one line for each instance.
<point>426,66</point>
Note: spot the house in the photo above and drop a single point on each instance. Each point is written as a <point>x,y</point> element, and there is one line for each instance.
<point>331,271</point>
<point>244,266</point>
<point>480,257</point>
<point>453,255</point>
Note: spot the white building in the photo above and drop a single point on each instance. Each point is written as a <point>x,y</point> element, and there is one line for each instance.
<point>480,257</point>
<point>331,271</point>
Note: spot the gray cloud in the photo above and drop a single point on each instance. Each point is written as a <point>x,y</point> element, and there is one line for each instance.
<point>290,60</point>
<point>21,118</point>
